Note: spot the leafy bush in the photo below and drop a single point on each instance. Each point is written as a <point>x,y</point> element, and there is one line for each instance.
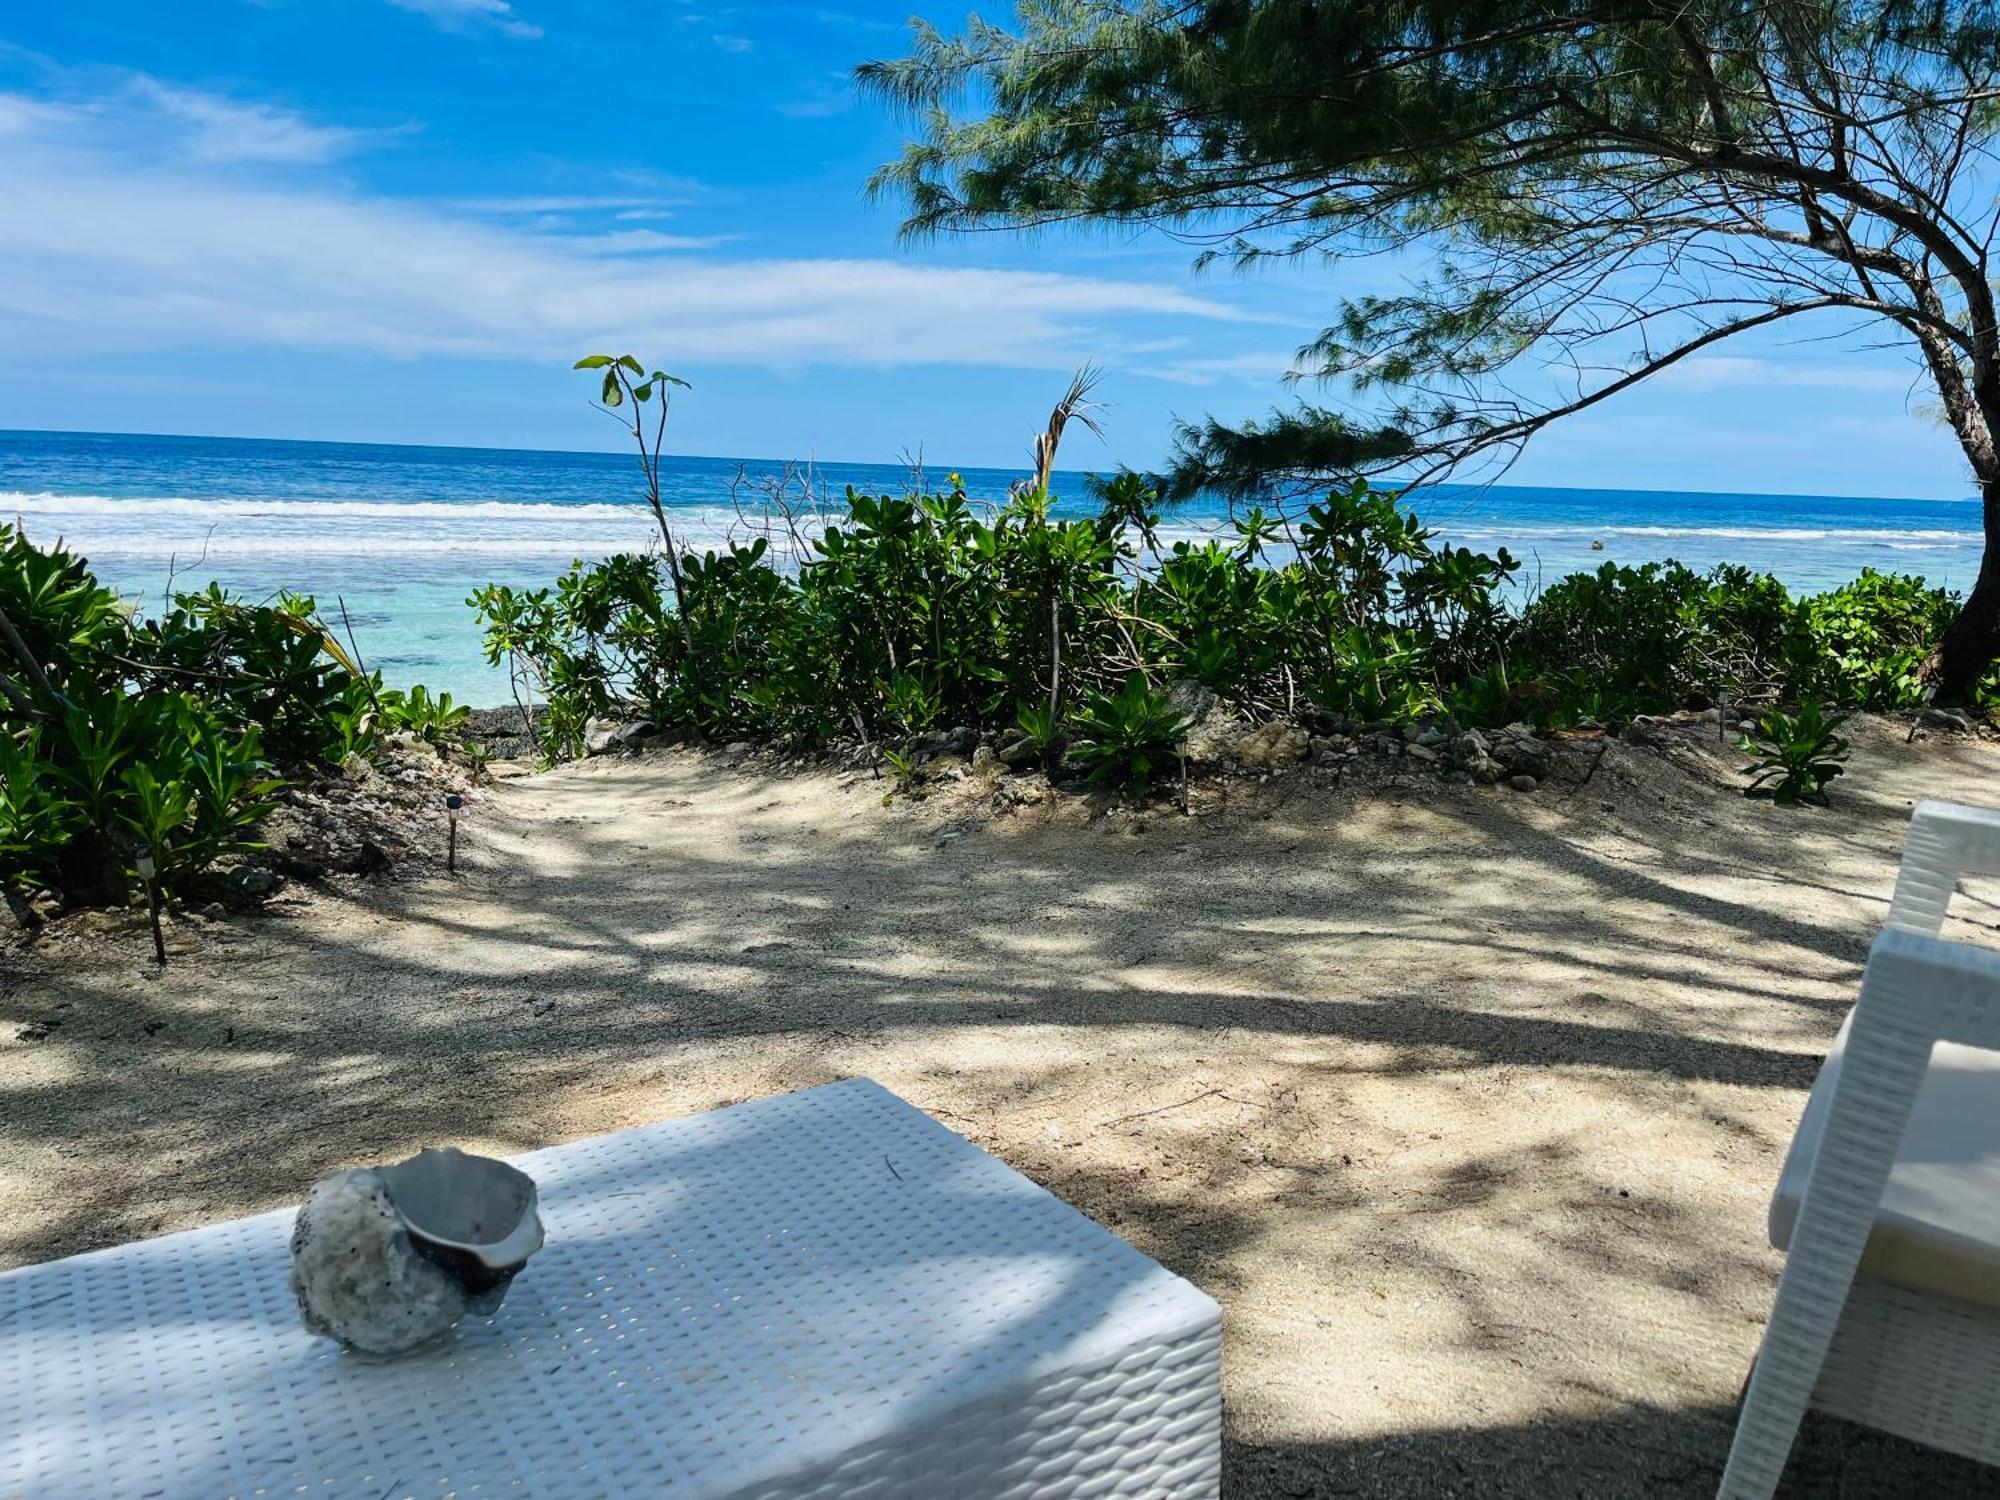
<point>1127,737</point>
<point>1796,756</point>
<point>911,613</point>
<point>1864,643</point>
<point>119,734</point>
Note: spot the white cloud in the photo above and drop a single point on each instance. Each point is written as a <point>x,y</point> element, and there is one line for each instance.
<point>644,242</point>
<point>103,252</point>
<point>139,117</point>
<point>467,15</point>
<point>732,43</point>
<point>217,129</point>
<point>1262,367</point>
<point>1715,371</point>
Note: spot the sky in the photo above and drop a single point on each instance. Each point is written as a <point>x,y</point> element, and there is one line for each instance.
<point>402,221</point>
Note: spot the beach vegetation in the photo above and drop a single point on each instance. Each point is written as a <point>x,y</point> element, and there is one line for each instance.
<point>1065,635</point>
<point>122,735</point>
<point>1598,195</point>
<point>1128,737</point>
<point>1796,754</point>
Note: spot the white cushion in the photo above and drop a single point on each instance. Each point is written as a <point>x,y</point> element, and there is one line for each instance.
<point>1938,1227</point>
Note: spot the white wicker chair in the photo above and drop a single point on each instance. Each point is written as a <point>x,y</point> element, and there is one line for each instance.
<point>1888,1312</point>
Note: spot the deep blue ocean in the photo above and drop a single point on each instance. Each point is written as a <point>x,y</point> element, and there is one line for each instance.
<point>402,534</point>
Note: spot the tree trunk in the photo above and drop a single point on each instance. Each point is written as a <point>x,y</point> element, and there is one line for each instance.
<point>1972,641</point>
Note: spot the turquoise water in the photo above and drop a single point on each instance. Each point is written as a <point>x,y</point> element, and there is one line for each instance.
<point>402,534</point>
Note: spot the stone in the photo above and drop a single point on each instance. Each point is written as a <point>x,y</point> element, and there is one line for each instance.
<point>1431,737</point>
<point>1523,783</point>
<point>1522,753</point>
<point>387,1258</point>
<point>1018,752</point>
<point>959,741</point>
<point>1190,701</point>
<point>1020,791</point>
<point>1215,737</point>
<point>1946,718</point>
<point>1469,749</point>
<point>1421,752</point>
<point>1272,745</point>
<point>260,881</point>
<point>985,762</point>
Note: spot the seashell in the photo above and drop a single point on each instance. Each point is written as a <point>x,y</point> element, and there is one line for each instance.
<point>386,1258</point>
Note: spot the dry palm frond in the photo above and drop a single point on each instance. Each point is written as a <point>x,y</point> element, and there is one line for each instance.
<point>1075,405</point>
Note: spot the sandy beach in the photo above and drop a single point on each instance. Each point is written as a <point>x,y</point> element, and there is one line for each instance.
<point>1464,1102</point>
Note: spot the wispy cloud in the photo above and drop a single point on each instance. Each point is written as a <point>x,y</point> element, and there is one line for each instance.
<point>142,117</point>
<point>218,129</point>
<point>1263,367</point>
<point>732,43</point>
<point>106,249</point>
<point>1710,371</point>
<point>472,15</point>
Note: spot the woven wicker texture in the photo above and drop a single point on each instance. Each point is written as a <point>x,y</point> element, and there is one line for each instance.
<point>1911,1363</point>
<point>822,1294</point>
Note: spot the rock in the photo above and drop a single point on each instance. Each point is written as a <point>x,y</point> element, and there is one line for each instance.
<point>1272,745</point>
<point>985,762</point>
<point>597,736</point>
<point>1409,733</point>
<point>1469,749</point>
<point>1523,783</point>
<point>1946,718</point>
<point>1519,750</point>
<point>1190,701</point>
<point>1421,752</point>
<point>738,749</point>
<point>633,730</point>
<point>1215,737</point>
<point>1020,791</point>
<point>959,741</point>
<point>1486,772</point>
<point>1431,737</point>
<point>1017,753</point>
<point>260,881</point>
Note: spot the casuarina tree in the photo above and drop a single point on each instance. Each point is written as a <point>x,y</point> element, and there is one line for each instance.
<point>1596,192</point>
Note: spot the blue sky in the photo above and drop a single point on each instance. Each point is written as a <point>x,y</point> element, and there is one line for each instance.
<point>400,220</point>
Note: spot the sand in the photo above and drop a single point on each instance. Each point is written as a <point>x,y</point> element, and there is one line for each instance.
<point>1464,1102</point>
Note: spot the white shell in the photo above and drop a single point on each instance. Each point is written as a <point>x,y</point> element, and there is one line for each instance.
<point>385,1258</point>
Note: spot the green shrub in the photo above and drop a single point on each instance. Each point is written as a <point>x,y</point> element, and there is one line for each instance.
<point>1127,737</point>
<point>1862,644</point>
<point>916,612</point>
<point>119,734</point>
<point>1796,756</point>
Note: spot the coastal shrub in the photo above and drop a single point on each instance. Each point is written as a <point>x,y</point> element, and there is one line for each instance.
<point>120,733</point>
<point>1796,754</point>
<point>1126,738</point>
<point>1863,644</point>
<point>908,614</point>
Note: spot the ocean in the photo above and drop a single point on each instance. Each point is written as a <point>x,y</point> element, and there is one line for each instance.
<point>401,534</point>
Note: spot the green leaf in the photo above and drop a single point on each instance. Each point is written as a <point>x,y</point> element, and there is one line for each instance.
<point>592,362</point>
<point>643,392</point>
<point>613,396</point>
<point>631,364</point>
